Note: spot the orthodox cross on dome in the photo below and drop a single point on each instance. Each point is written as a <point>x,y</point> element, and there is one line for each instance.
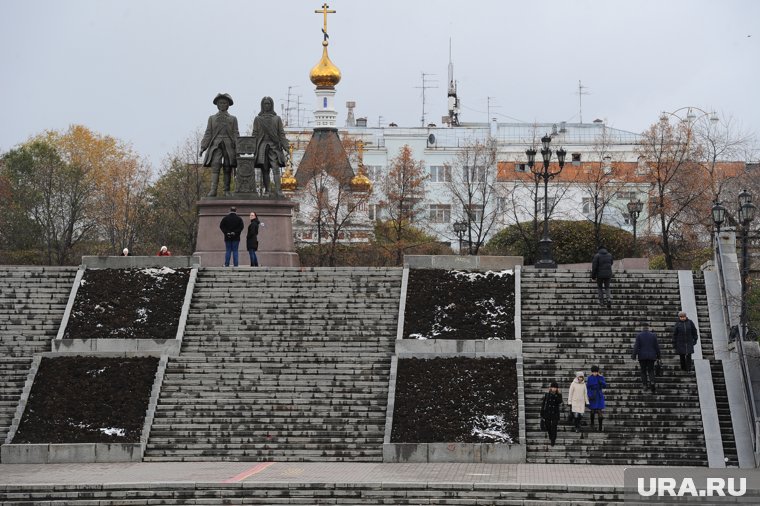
<point>325,11</point>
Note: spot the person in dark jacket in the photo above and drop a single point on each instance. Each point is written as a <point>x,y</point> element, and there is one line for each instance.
<point>595,384</point>
<point>647,350</point>
<point>551,408</point>
<point>231,226</point>
<point>684,338</point>
<point>252,239</point>
<point>601,271</point>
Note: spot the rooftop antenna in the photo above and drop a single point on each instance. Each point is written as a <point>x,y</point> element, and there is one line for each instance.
<point>380,120</point>
<point>488,108</point>
<point>580,99</point>
<point>425,85</point>
<point>453,99</point>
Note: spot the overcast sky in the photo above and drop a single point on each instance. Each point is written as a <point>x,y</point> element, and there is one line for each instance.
<point>146,71</point>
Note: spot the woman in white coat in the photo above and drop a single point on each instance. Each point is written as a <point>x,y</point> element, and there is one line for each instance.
<point>577,398</point>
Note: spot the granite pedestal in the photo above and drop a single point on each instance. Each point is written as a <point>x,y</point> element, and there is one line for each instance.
<point>276,248</point>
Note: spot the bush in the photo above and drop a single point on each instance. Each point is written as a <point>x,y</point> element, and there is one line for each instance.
<point>573,242</point>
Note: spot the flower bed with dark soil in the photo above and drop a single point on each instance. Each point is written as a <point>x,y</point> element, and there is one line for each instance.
<point>128,304</point>
<point>88,400</point>
<point>456,400</point>
<point>444,304</point>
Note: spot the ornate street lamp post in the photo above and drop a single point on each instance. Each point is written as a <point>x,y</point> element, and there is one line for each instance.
<point>460,227</point>
<point>746,215</point>
<point>634,210</point>
<point>545,259</point>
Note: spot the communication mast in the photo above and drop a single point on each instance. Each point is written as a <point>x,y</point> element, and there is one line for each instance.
<point>453,99</point>
<point>425,85</point>
<point>580,99</point>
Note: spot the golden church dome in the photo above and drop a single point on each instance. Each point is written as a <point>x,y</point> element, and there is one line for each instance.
<point>325,73</point>
<point>288,182</point>
<point>360,182</point>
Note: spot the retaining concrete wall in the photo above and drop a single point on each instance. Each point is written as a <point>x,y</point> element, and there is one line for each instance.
<point>492,453</point>
<point>59,453</point>
<point>140,262</point>
<point>169,347</point>
<point>456,262</point>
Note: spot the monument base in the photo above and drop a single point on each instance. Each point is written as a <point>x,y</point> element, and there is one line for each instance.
<point>276,248</point>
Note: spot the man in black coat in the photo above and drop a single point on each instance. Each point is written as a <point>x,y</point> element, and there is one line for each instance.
<point>601,271</point>
<point>684,338</point>
<point>231,226</point>
<point>647,350</point>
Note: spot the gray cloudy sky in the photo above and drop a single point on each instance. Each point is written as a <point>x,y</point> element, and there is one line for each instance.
<point>145,71</point>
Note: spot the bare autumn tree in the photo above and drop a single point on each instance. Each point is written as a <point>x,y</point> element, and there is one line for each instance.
<point>671,163</point>
<point>601,182</point>
<point>330,202</point>
<point>173,197</point>
<point>474,190</point>
<point>403,194</point>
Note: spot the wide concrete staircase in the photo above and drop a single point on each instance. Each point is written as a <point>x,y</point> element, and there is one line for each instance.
<point>32,302</point>
<point>281,364</point>
<point>564,330</point>
<point>718,378</point>
<point>294,492</point>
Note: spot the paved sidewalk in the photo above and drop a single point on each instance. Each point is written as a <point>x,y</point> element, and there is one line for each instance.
<point>310,472</point>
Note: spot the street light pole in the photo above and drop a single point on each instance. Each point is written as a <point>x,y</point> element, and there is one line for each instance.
<point>634,210</point>
<point>746,215</point>
<point>460,227</point>
<point>545,244</point>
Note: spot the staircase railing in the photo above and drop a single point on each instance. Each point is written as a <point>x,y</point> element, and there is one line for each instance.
<point>729,318</point>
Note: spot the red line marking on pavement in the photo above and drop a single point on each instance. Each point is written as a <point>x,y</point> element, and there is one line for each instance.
<point>249,472</point>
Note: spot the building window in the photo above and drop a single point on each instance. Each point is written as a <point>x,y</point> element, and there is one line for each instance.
<point>440,213</point>
<point>440,174</point>
<point>550,202</point>
<point>477,174</point>
<point>588,206</point>
<point>641,167</point>
<point>475,213</point>
<point>373,212</point>
<point>502,204</point>
<point>521,167</point>
<point>627,196</point>
<point>576,158</point>
<point>374,172</point>
<point>626,218</point>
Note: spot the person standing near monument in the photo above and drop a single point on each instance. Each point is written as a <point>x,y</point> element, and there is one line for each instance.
<point>231,226</point>
<point>252,239</point>
<point>219,142</point>
<point>270,143</point>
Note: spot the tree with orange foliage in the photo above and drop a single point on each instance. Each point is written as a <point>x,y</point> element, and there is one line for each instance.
<point>671,163</point>
<point>403,197</point>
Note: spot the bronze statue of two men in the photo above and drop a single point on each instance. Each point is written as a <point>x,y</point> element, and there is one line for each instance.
<point>220,141</point>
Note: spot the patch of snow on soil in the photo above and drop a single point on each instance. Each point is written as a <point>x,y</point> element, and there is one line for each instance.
<point>491,429</point>
<point>113,431</point>
<point>472,276</point>
<point>157,273</point>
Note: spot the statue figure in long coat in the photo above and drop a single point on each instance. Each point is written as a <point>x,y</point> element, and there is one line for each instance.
<point>271,144</point>
<point>219,142</point>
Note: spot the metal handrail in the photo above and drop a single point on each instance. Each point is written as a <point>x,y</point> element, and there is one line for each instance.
<point>748,396</point>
